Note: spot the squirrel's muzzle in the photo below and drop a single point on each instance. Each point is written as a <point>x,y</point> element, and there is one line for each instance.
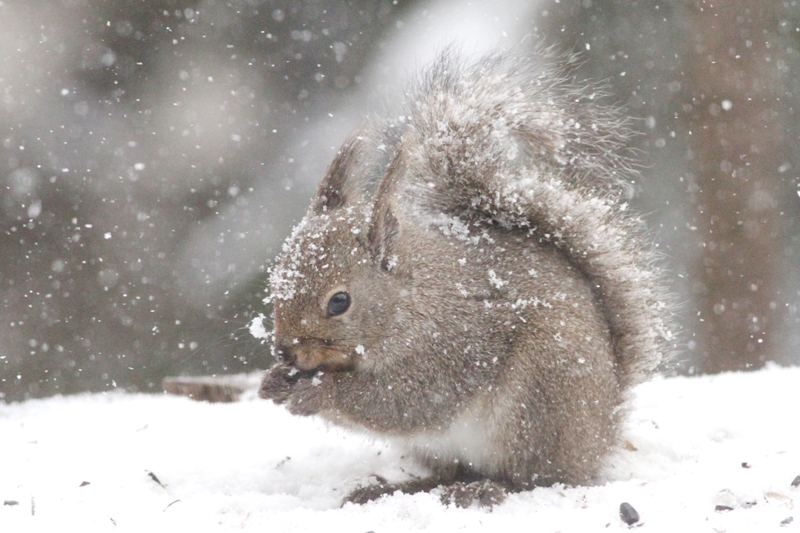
<point>314,354</point>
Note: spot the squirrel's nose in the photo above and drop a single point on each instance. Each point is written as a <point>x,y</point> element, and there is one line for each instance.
<point>285,352</point>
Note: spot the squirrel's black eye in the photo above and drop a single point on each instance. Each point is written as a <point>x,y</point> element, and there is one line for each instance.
<point>338,304</point>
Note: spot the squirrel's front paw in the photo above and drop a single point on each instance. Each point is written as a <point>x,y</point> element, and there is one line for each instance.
<point>307,396</point>
<point>299,390</point>
<point>280,381</point>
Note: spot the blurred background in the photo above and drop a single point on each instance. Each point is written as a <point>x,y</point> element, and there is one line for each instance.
<point>154,155</point>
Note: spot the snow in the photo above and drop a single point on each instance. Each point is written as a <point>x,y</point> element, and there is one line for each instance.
<point>251,466</point>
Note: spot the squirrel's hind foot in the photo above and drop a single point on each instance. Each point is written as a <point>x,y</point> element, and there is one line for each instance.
<point>486,493</point>
<point>382,488</point>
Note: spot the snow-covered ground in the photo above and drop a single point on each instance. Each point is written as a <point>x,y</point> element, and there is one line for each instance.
<point>134,462</point>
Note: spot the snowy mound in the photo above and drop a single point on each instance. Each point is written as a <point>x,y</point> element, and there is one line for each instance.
<point>715,453</point>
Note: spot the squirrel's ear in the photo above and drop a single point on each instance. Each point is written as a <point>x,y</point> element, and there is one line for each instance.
<point>382,237</point>
<point>384,230</point>
<point>335,189</point>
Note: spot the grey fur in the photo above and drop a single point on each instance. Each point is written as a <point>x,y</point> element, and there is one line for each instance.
<point>503,299</point>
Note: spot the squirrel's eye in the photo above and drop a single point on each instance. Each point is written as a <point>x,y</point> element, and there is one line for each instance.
<point>338,304</point>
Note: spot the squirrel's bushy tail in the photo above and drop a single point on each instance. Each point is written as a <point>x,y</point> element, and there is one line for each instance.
<point>527,147</point>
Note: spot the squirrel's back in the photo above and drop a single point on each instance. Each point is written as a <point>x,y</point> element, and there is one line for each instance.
<point>512,140</point>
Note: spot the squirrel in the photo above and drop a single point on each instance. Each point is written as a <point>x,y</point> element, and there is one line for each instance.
<point>470,281</point>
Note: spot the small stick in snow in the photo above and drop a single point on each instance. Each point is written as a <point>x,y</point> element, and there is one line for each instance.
<point>155,478</point>
<point>170,505</point>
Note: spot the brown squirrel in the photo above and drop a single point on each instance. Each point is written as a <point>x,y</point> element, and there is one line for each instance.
<point>469,280</point>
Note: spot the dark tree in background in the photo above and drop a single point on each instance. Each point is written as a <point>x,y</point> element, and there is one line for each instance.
<point>737,110</point>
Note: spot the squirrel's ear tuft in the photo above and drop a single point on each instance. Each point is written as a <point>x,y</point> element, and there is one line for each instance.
<point>384,230</point>
<point>335,189</point>
<point>382,237</point>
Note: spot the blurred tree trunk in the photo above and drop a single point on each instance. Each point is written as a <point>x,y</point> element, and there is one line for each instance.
<point>736,152</point>
<point>714,85</point>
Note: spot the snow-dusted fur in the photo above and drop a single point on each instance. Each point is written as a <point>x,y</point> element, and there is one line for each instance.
<point>502,299</point>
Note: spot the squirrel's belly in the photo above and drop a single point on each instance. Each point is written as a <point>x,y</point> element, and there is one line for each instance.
<point>470,440</point>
